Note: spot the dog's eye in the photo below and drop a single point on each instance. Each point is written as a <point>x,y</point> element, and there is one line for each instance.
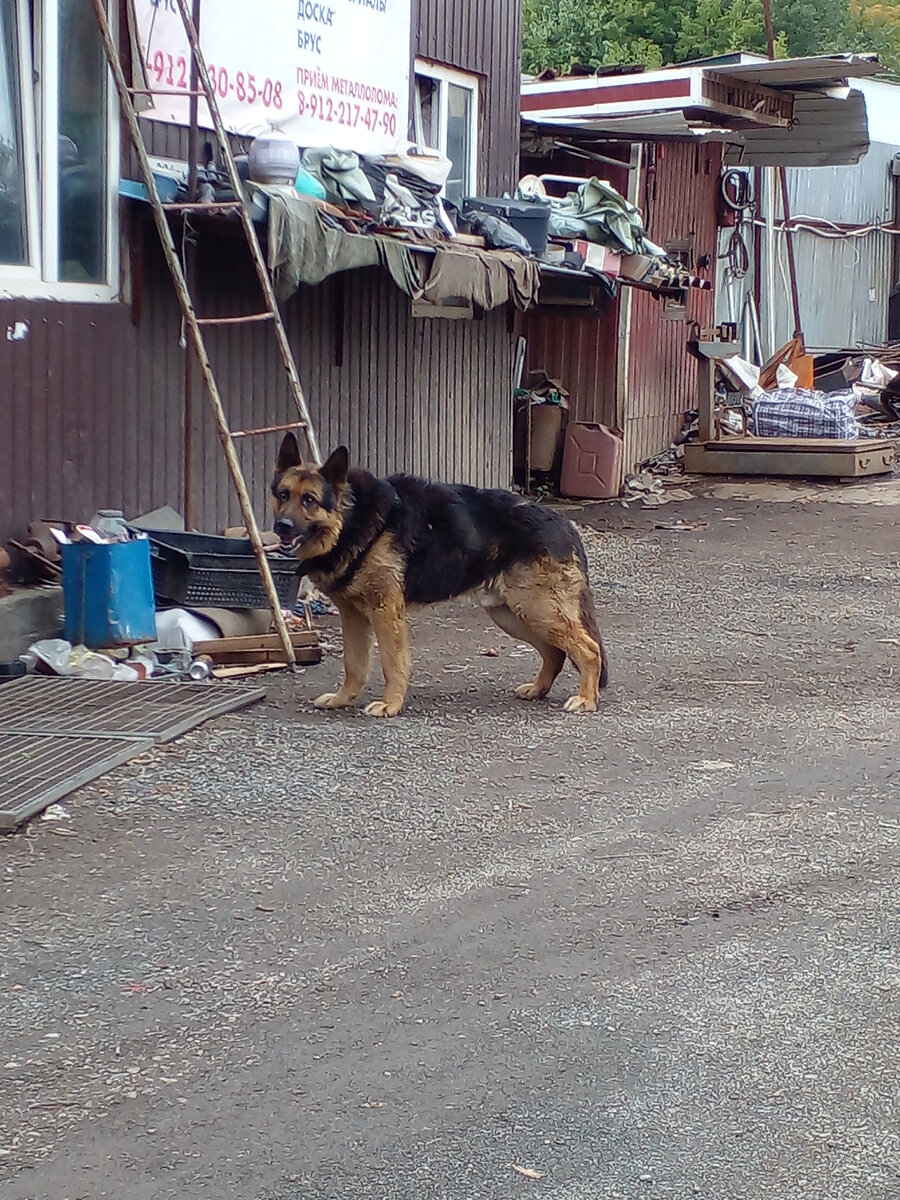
<point>284,496</point>
<point>309,500</point>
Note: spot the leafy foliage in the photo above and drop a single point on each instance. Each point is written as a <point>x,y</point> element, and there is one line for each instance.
<point>596,33</point>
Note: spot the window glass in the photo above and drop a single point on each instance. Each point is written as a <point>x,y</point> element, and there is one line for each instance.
<point>13,239</point>
<point>428,131</point>
<point>81,145</point>
<point>459,141</point>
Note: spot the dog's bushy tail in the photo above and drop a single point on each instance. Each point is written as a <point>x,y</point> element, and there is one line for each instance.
<point>589,621</point>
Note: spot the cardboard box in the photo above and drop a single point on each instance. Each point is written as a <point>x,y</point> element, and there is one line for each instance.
<point>599,258</point>
<point>636,266</point>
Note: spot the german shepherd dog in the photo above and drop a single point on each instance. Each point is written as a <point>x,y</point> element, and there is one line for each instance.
<point>376,547</point>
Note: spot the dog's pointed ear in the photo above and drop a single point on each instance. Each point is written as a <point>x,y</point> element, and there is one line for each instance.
<point>334,469</point>
<point>288,454</point>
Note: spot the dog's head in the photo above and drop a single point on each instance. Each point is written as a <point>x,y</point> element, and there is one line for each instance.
<point>307,500</point>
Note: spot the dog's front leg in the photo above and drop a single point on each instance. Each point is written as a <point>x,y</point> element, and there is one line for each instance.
<point>357,633</point>
<point>389,623</point>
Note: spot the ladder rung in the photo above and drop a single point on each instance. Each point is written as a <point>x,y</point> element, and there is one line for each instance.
<point>271,429</point>
<point>263,316</point>
<point>199,206</point>
<point>164,92</point>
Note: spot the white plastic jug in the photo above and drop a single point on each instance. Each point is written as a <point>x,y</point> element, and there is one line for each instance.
<point>273,158</point>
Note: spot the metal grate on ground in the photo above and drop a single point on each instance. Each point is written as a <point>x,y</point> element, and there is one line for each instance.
<point>37,770</point>
<point>58,734</point>
<point>101,708</point>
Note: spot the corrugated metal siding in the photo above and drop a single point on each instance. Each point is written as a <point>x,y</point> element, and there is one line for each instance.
<point>843,284</point>
<point>483,38</point>
<point>579,351</point>
<point>93,404</point>
<point>578,348</point>
<point>678,201</point>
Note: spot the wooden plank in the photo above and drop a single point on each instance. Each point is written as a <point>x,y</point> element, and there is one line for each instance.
<point>263,641</point>
<point>749,442</point>
<point>252,669</point>
<point>307,655</point>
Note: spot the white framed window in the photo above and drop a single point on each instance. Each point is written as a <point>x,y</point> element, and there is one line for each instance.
<point>59,154</point>
<point>445,118</point>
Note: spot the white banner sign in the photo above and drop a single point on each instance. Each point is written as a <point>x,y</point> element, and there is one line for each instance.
<point>325,72</point>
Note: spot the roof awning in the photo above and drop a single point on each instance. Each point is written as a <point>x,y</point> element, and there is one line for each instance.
<point>825,133</point>
<point>792,112</point>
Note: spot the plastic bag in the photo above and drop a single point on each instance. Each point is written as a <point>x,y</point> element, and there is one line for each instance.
<point>785,377</point>
<point>61,658</point>
<point>498,234</point>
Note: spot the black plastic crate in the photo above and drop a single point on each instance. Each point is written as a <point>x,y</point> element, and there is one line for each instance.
<point>201,571</point>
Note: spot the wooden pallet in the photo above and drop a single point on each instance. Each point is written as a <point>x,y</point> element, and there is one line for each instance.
<point>260,648</point>
<point>822,457</point>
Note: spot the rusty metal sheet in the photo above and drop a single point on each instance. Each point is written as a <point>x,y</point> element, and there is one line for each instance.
<point>678,199</point>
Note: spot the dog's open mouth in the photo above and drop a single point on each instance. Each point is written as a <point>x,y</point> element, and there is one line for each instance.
<point>293,545</point>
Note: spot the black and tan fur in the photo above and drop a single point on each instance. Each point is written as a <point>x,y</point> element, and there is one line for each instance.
<point>377,547</point>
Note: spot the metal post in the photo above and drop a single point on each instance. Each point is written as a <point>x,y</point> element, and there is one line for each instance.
<point>785,205</point>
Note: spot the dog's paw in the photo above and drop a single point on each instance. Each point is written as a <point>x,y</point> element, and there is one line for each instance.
<point>578,704</point>
<point>330,700</point>
<point>529,691</point>
<point>381,708</point>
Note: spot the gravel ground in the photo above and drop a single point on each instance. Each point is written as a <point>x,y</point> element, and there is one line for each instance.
<point>489,950</point>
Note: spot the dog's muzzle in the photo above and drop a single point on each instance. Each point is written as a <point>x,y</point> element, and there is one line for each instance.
<point>289,535</point>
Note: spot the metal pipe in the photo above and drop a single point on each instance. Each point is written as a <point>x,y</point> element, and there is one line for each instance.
<point>193,118</point>
<point>187,472</point>
<point>594,156</point>
<point>785,204</point>
<point>623,331</point>
<point>771,252</point>
<point>792,261</point>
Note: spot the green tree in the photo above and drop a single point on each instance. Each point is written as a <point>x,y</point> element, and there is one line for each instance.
<point>875,27</point>
<point>720,26</point>
<point>558,33</point>
<point>812,26</point>
<point>597,33</point>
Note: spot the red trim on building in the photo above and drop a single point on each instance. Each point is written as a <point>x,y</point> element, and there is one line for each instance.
<point>622,93</point>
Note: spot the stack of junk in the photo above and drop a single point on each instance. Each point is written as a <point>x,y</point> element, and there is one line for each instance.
<point>145,599</point>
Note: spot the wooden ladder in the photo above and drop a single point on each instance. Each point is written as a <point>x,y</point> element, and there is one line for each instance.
<point>201,88</point>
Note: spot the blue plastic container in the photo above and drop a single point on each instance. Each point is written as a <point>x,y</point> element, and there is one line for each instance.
<point>108,594</point>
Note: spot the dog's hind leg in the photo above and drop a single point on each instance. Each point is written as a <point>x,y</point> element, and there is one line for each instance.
<point>553,658</point>
<point>357,633</point>
<point>549,598</point>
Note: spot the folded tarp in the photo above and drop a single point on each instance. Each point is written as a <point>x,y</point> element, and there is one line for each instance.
<point>596,212</point>
<point>307,245</point>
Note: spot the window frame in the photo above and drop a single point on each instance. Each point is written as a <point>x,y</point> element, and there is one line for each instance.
<point>39,279</point>
<point>443,76</point>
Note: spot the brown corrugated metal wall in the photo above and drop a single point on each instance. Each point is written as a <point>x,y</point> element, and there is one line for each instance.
<point>678,200</point>
<point>483,38</point>
<point>579,351</point>
<point>91,401</point>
